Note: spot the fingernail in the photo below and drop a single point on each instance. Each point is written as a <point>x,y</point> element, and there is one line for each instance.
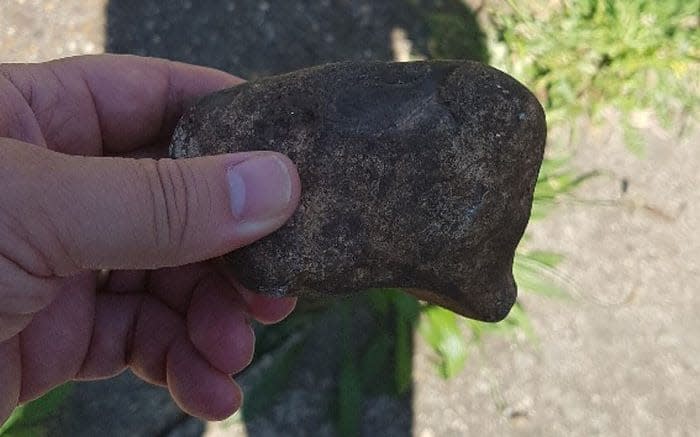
<point>260,188</point>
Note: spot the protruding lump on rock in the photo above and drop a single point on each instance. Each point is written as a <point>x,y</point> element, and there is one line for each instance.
<point>415,175</point>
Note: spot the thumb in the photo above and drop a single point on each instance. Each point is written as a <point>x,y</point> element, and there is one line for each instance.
<point>75,213</point>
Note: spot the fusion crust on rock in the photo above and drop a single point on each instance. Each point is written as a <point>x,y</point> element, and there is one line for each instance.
<point>414,175</point>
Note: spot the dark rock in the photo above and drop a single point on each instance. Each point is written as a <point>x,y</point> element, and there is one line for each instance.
<point>416,176</point>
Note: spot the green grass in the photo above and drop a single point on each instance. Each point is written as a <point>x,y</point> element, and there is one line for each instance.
<point>30,420</point>
<point>589,56</point>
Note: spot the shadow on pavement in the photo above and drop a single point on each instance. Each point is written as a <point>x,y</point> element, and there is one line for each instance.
<point>256,38</point>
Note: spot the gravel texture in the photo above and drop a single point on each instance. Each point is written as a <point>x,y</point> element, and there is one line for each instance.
<point>39,30</point>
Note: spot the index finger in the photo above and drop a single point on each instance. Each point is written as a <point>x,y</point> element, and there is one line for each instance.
<point>110,104</point>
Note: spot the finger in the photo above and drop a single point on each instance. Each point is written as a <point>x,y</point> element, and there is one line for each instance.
<point>117,213</point>
<point>17,120</point>
<point>131,330</point>
<point>108,353</point>
<point>126,281</point>
<point>265,309</point>
<point>140,330</point>
<point>218,326</point>
<point>174,286</point>
<point>197,387</point>
<point>10,377</point>
<point>109,104</point>
<point>56,342</point>
<point>155,329</point>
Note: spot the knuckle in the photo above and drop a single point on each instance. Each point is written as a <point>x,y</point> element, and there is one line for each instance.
<point>13,324</point>
<point>23,293</point>
<point>170,203</point>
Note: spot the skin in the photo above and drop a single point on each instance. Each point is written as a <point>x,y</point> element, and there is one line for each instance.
<point>103,249</point>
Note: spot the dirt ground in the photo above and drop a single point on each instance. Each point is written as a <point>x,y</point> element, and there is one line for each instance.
<point>621,357</point>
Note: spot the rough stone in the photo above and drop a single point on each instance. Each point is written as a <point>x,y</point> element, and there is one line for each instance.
<point>414,175</point>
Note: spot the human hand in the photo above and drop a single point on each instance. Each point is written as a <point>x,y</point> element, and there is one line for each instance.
<point>102,256</point>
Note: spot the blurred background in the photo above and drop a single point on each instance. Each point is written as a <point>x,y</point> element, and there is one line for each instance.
<point>605,337</point>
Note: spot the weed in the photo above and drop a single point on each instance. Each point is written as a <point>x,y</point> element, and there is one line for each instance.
<point>592,55</point>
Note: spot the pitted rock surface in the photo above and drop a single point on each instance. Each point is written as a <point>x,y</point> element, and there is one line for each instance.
<point>414,175</point>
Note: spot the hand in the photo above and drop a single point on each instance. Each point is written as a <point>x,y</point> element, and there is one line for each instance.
<point>103,256</point>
